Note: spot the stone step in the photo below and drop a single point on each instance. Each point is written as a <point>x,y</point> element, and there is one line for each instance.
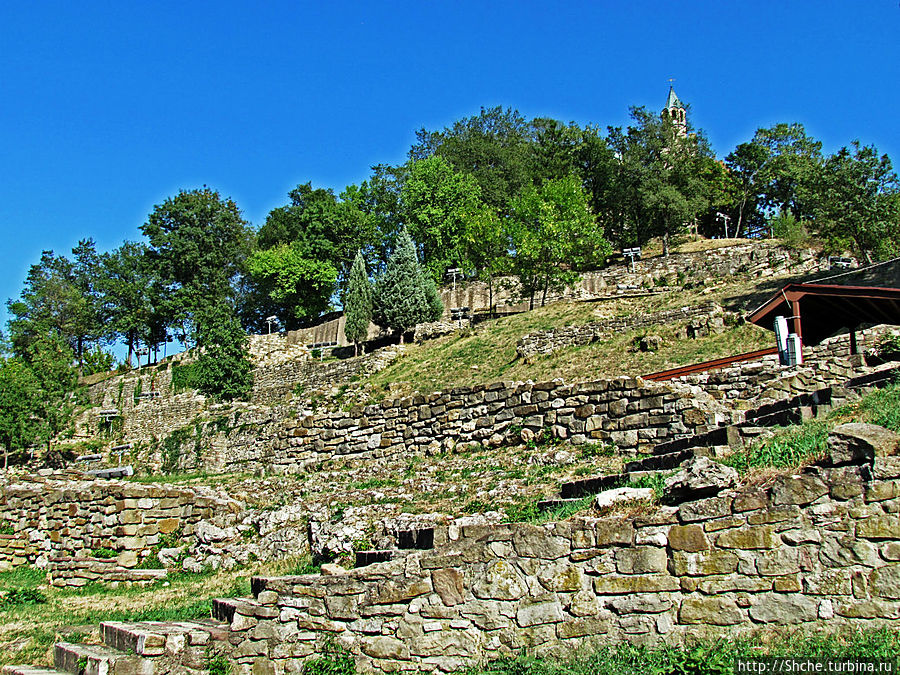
<point>365,558</point>
<point>225,609</point>
<point>98,660</point>
<point>662,462</point>
<point>590,486</point>
<point>155,638</point>
<point>28,670</point>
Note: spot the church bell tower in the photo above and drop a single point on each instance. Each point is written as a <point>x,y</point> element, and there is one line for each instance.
<point>674,111</point>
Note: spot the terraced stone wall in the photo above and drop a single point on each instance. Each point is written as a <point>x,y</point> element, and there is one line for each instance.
<point>821,548</point>
<point>754,260</point>
<point>61,523</point>
<point>548,341</point>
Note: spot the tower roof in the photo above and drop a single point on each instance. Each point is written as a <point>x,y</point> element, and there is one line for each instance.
<point>672,100</point>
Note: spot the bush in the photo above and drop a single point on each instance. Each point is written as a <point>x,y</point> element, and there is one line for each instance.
<point>17,597</point>
<point>335,660</point>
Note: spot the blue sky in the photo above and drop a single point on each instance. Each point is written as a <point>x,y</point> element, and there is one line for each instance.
<point>107,108</point>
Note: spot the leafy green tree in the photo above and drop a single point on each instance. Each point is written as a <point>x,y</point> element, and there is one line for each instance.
<point>358,304</point>
<point>20,402</point>
<point>858,202</point>
<point>377,200</point>
<point>298,287</point>
<point>199,244</point>
<point>493,147</point>
<point>553,233</point>
<point>309,241</point>
<point>487,245</point>
<point>52,362</point>
<point>223,369</point>
<point>60,298</point>
<point>402,294</point>
<point>437,204</point>
<point>660,178</point>
<point>133,296</point>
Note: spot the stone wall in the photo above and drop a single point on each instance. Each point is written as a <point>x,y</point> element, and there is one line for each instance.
<point>709,314</point>
<point>813,549</point>
<point>751,259</point>
<point>57,522</point>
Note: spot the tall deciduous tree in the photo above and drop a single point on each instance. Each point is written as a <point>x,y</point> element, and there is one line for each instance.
<point>858,202</point>
<point>60,298</point>
<point>660,177</point>
<point>199,243</point>
<point>402,294</point>
<point>553,233</point>
<point>438,203</point>
<point>224,371</point>
<point>20,403</point>
<point>358,304</point>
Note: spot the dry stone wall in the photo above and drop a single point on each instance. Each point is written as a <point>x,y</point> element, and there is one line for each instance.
<point>546,342</point>
<point>757,259</point>
<point>817,548</point>
<point>58,523</point>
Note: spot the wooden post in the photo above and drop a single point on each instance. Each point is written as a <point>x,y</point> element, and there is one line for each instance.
<point>798,327</point>
<point>854,346</point>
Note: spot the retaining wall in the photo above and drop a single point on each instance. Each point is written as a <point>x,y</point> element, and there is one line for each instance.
<point>59,523</point>
<point>815,549</point>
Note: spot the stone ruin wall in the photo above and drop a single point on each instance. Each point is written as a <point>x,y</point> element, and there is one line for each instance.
<point>56,523</point>
<point>548,341</point>
<point>632,413</point>
<point>758,259</point>
<point>821,548</point>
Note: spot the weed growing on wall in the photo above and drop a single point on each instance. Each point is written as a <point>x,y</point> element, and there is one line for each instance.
<point>335,660</point>
<point>791,447</point>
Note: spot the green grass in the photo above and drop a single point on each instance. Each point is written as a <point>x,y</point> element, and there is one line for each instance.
<point>703,657</point>
<point>801,444</point>
<point>488,354</point>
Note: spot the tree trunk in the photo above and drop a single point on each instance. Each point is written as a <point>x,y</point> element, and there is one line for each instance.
<point>665,239</point>
<point>130,350</point>
<point>401,336</point>
<point>544,295</point>
<point>490,297</point>
<point>355,348</point>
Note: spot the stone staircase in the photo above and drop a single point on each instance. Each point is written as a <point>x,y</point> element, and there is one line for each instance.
<point>758,422</point>
<point>145,648</point>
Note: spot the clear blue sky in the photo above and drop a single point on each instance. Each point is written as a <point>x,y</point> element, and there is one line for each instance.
<point>107,108</point>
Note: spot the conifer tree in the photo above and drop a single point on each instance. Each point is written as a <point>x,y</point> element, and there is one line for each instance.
<point>358,304</point>
<point>402,294</point>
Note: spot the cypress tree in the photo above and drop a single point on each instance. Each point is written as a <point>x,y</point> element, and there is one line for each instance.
<point>402,294</point>
<point>358,303</point>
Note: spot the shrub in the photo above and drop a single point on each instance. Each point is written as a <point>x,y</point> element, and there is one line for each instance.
<point>21,597</point>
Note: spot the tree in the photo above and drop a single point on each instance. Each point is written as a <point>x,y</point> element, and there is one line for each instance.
<point>858,202</point>
<point>199,244</point>
<point>298,287</point>
<point>60,297</point>
<point>20,402</point>
<point>553,233</point>
<point>402,296</point>
<point>358,304</point>
<point>492,147</point>
<point>132,296</point>
<point>309,241</point>
<point>223,370</point>
<point>438,203</point>
<point>487,247</point>
<point>660,178</point>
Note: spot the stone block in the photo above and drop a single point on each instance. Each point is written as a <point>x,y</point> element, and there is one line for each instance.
<point>618,585</point>
<point>879,527</point>
<point>782,609</point>
<point>500,581</point>
<point>448,584</point>
<point>539,613</point>
<point>384,647</point>
<point>716,611</point>
<point>561,577</point>
<point>640,560</point>
<point>690,538</point>
<point>758,537</point>
<point>705,563</point>
<point>884,582</point>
